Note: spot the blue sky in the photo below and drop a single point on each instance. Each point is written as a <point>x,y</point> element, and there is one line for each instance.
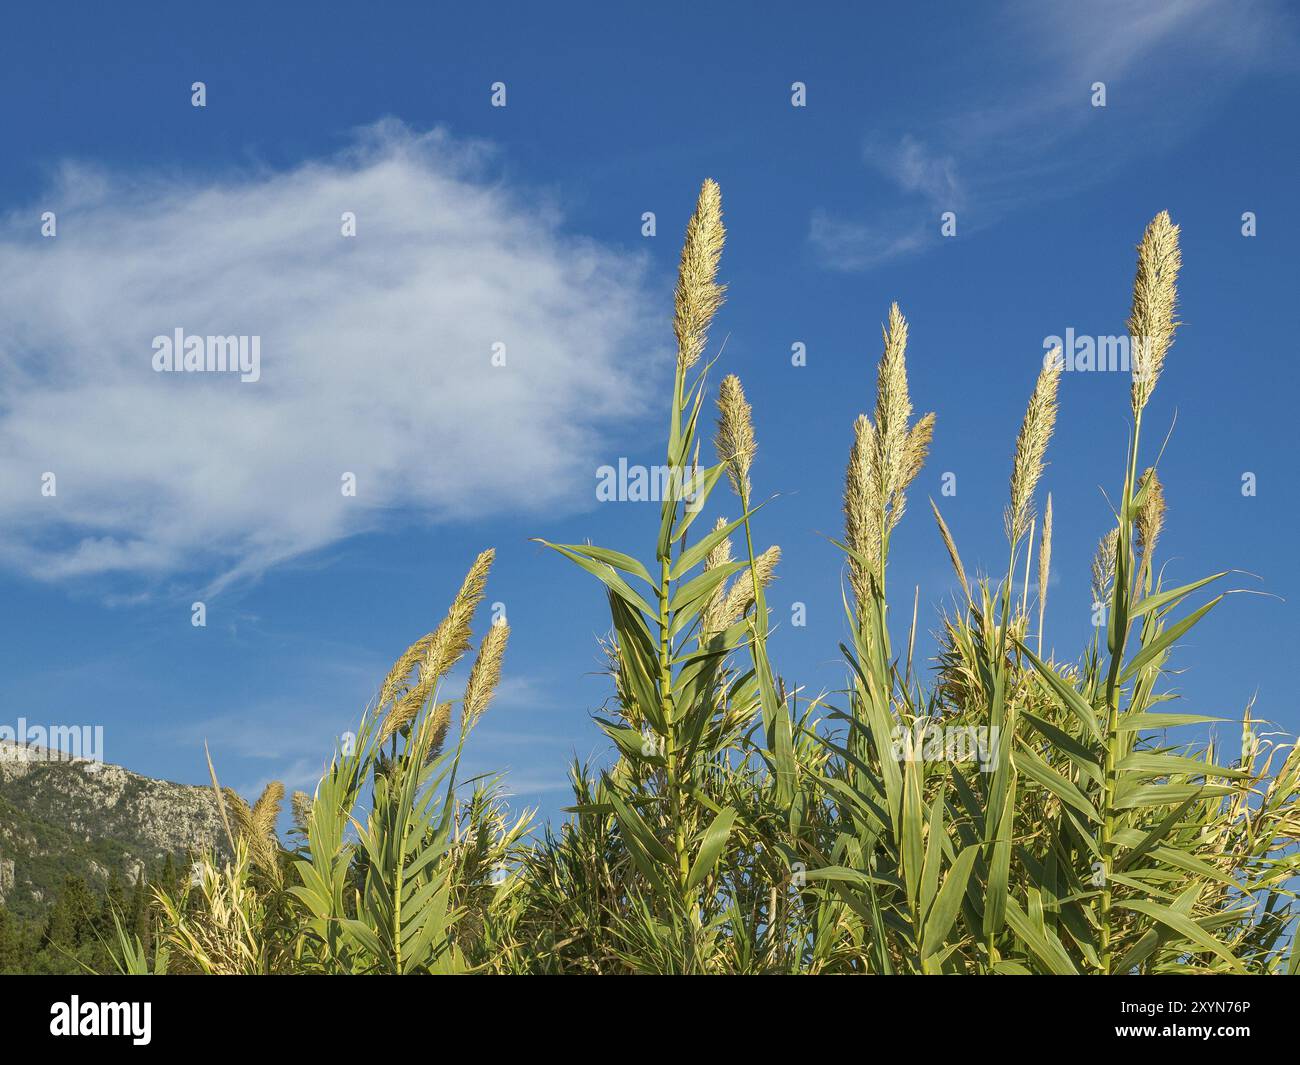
<point>523,225</point>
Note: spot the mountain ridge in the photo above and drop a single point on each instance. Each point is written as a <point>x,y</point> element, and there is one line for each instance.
<point>62,815</point>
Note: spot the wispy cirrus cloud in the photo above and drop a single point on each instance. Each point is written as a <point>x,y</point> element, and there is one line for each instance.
<point>1165,65</point>
<point>926,183</point>
<point>376,359</point>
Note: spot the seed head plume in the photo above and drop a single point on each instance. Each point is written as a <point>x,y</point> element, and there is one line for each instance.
<point>893,404</point>
<point>1044,567</point>
<point>765,565</point>
<point>951,545</point>
<point>441,722</point>
<point>719,556</point>
<point>485,674</point>
<point>885,459</point>
<point>698,295</point>
<point>444,648</point>
<point>900,449</point>
<point>453,641</point>
<point>266,811</point>
<point>740,597</point>
<point>1151,517</point>
<point>241,814</point>
<point>395,683</point>
<point>1152,322</point>
<point>255,825</point>
<point>404,710</point>
<point>1031,447</point>
<point>862,506</point>
<point>301,804</point>
<point>915,449</point>
<point>219,793</point>
<point>1103,565</point>
<point>734,441</point>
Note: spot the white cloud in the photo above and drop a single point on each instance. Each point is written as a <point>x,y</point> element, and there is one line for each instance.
<point>926,179</point>
<point>375,358</point>
<point>1030,133</point>
<point>916,168</point>
<point>1112,38</point>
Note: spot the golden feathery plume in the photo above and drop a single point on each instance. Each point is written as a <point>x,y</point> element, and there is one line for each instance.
<point>698,295</point>
<point>721,553</point>
<point>441,722</point>
<point>1151,518</point>
<point>401,671</point>
<point>255,825</point>
<point>241,815</point>
<point>885,459</point>
<point>951,545</point>
<point>916,447</point>
<point>220,797</point>
<point>1029,569</point>
<point>893,404</point>
<point>485,674</point>
<point>900,449</point>
<point>740,597</point>
<point>734,441</point>
<point>449,641</point>
<point>719,556</point>
<point>1031,447</point>
<point>404,711</point>
<point>301,804</point>
<point>452,638</point>
<point>1103,565</point>
<point>862,506</point>
<point>1044,567</point>
<point>1151,323</point>
<point>266,811</point>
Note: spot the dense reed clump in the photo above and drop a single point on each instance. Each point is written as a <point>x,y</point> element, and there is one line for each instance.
<point>393,871</point>
<point>1017,814</point>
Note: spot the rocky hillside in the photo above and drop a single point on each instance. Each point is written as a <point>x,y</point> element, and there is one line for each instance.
<point>60,816</point>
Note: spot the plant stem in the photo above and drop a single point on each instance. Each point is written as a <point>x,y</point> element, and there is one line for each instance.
<point>1120,597</point>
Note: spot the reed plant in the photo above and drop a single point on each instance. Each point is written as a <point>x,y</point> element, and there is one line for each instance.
<point>741,826</point>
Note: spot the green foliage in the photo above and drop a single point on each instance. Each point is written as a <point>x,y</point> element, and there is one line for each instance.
<point>393,873</point>
<point>745,828</point>
<point>61,818</point>
<point>81,928</point>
